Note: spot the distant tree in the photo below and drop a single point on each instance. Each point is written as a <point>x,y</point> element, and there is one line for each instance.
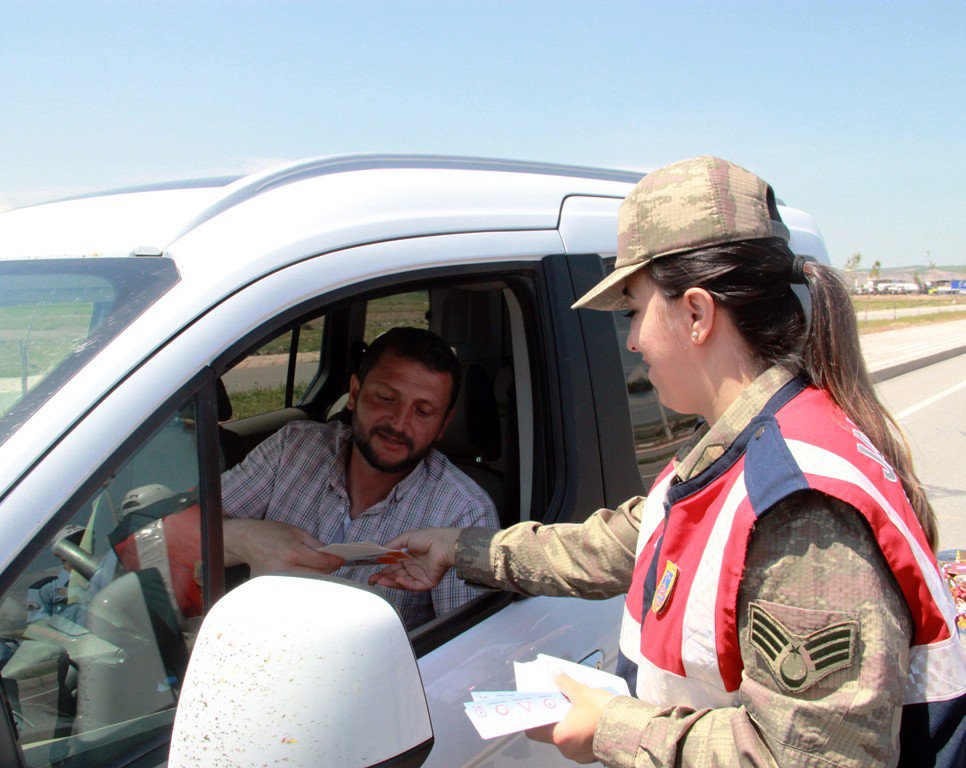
<point>851,265</point>
<point>852,262</point>
<point>874,272</point>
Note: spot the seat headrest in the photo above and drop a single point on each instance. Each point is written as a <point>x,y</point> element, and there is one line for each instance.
<point>338,410</point>
<point>474,431</point>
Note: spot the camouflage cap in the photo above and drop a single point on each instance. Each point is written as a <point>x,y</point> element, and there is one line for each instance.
<point>685,206</point>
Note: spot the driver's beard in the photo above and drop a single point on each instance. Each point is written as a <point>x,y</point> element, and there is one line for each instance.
<point>364,444</point>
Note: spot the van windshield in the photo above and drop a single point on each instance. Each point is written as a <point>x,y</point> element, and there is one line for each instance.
<point>56,314</point>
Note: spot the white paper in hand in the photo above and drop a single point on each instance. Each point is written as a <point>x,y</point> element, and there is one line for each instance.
<point>536,701</point>
<point>538,675</point>
<point>497,713</point>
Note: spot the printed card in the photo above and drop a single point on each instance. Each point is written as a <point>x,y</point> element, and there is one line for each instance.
<point>365,553</point>
<point>536,701</point>
<point>498,713</point>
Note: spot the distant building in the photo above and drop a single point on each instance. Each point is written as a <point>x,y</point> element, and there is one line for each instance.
<point>893,286</point>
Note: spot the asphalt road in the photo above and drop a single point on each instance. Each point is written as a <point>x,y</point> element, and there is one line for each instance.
<point>930,404</point>
<point>269,372</point>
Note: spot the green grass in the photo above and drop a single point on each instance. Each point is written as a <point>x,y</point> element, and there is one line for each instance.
<point>47,333</point>
<point>401,309</point>
<point>45,316</point>
<point>310,340</point>
<point>862,303</point>
<point>7,400</point>
<point>257,400</point>
<point>252,402</point>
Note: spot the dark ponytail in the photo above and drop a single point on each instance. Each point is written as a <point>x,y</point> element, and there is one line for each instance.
<point>751,281</point>
<point>834,362</point>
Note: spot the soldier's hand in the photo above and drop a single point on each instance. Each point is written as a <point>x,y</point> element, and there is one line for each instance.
<point>574,735</point>
<point>433,552</point>
<point>268,545</point>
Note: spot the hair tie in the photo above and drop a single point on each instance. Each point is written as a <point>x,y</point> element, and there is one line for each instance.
<point>799,286</point>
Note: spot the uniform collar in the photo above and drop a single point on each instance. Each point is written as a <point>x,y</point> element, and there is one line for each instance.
<point>714,441</point>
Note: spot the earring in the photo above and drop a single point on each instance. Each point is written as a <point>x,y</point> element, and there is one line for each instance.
<point>694,335</point>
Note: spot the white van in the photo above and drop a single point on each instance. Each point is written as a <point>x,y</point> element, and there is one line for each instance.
<point>153,336</point>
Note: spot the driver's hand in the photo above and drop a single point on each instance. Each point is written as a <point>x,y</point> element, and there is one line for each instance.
<point>268,545</point>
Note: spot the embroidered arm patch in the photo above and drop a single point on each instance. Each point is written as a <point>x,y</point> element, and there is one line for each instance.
<point>797,662</point>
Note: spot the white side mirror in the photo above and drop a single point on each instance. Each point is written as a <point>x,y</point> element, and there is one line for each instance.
<point>302,672</point>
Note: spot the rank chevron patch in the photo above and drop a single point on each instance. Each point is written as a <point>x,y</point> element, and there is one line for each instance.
<point>798,662</point>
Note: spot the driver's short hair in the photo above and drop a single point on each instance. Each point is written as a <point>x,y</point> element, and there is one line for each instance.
<point>419,345</point>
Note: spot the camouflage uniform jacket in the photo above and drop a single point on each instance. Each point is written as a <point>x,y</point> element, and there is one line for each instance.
<point>811,558</point>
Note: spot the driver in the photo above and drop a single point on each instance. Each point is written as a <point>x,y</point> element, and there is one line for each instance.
<point>313,484</point>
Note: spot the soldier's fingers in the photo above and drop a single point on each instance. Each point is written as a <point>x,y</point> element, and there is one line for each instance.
<point>567,686</point>
<point>542,733</point>
<point>401,541</point>
<point>400,580</point>
<point>394,582</point>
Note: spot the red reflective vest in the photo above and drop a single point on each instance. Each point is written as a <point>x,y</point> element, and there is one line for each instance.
<point>679,637</point>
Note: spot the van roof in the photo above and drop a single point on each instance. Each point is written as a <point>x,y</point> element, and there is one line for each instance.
<point>411,195</point>
<point>117,222</point>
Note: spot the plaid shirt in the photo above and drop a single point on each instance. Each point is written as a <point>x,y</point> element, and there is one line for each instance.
<point>297,476</point>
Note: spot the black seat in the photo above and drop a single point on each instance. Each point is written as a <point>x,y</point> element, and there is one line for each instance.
<point>473,437</point>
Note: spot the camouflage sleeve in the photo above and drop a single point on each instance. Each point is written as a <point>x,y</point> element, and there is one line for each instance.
<point>814,576</point>
<point>593,559</point>
<point>478,514</point>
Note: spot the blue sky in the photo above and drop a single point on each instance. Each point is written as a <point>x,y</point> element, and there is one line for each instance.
<point>852,110</point>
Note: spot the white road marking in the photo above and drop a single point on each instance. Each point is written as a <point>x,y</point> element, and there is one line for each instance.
<point>930,400</point>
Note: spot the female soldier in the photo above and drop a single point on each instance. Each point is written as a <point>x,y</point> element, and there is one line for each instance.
<point>783,602</point>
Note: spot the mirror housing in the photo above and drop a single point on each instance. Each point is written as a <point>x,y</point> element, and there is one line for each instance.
<point>302,671</point>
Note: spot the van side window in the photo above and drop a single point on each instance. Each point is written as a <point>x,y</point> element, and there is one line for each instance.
<point>410,309</point>
<point>96,632</point>
<point>658,431</point>
<point>259,383</point>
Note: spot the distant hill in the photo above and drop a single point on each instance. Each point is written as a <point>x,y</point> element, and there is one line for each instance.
<point>909,273</point>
